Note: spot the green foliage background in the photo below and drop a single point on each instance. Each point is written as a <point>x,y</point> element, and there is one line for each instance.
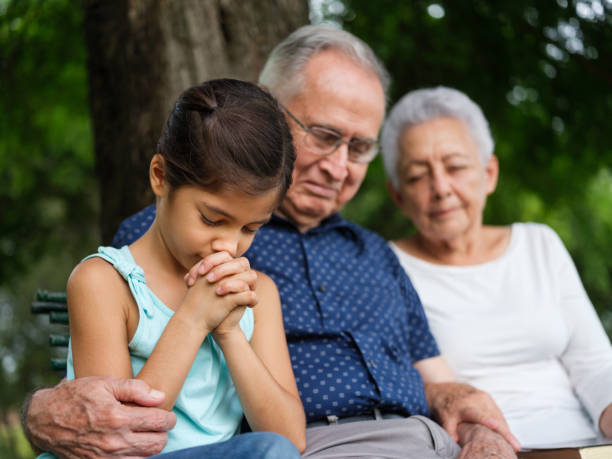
<point>542,72</point>
<point>47,186</point>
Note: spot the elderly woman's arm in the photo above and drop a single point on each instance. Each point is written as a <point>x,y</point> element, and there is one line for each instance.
<point>587,357</point>
<point>88,417</point>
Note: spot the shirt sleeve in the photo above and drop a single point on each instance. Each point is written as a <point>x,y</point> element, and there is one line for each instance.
<point>421,341</point>
<point>588,355</point>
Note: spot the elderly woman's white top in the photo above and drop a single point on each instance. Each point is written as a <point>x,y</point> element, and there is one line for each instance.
<point>522,328</point>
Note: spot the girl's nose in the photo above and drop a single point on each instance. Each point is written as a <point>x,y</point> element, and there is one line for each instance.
<point>226,244</point>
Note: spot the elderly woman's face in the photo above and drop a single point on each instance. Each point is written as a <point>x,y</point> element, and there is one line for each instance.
<point>443,183</point>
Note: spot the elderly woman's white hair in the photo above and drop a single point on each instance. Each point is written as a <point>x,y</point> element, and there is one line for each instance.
<point>283,75</point>
<point>422,105</point>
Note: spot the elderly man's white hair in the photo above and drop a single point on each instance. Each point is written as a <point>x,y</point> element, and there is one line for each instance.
<point>283,75</point>
<point>423,105</point>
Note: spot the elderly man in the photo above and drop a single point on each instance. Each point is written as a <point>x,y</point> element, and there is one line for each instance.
<point>368,369</point>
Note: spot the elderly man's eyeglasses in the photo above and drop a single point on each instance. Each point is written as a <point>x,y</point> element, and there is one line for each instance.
<point>325,141</point>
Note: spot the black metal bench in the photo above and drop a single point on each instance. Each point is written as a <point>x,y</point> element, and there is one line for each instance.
<point>54,305</point>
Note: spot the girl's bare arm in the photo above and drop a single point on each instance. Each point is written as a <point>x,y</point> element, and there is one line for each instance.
<point>262,370</point>
<point>99,304</point>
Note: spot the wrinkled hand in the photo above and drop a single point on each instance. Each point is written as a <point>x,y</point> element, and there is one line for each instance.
<point>480,442</point>
<point>86,418</point>
<point>454,403</point>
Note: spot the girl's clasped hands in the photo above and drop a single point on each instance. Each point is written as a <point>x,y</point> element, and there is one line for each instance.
<point>221,287</point>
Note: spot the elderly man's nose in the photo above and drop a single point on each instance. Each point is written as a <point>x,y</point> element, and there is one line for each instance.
<point>336,163</point>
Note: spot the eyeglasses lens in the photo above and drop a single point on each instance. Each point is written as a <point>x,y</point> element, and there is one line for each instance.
<point>325,142</point>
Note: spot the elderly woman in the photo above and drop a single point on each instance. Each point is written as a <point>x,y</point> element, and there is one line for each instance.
<point>505,303</point>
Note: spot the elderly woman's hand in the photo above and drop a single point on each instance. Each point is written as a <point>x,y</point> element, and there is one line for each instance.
<point>453,403</point>
<point>480,442</point>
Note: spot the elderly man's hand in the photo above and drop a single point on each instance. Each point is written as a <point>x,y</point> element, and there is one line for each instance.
<point>480,442</point>
<point>454,403</point>
<point>87,418</point>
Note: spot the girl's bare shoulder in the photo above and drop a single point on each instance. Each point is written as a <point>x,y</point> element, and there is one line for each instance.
<point>93,271</point>
<point>96,280</point>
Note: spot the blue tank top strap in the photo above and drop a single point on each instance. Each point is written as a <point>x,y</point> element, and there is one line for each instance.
<point>123,261</point>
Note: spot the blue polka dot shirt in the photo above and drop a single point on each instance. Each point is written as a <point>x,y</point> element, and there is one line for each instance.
<point>353,321</point>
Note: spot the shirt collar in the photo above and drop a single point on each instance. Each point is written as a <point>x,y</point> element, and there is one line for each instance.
<point>333,222</point>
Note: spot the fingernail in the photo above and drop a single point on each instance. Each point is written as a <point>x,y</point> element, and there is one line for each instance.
<point>156,393</point>
<point>210,277</point>
<point>190,282</point>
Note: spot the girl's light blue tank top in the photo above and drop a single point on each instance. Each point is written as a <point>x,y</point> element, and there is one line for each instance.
<point>207,408</point>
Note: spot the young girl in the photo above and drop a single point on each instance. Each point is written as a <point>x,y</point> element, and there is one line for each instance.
<point>215,347</point>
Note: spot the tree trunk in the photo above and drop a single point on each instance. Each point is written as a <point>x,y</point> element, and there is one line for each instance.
<point>142,54</point>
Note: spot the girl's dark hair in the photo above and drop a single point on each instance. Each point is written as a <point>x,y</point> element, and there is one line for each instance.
<point>227,133</point>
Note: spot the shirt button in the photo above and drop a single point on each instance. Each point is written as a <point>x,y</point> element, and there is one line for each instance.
<point>372,364</point>
<point>322,288</point>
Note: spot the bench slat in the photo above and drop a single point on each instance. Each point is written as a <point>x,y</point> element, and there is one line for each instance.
<point>50,296</point>
<point>58,340</point>
<point>45,307</point>
<point>58,317</point>
<point>53,304</point>
<point>58,364</point>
